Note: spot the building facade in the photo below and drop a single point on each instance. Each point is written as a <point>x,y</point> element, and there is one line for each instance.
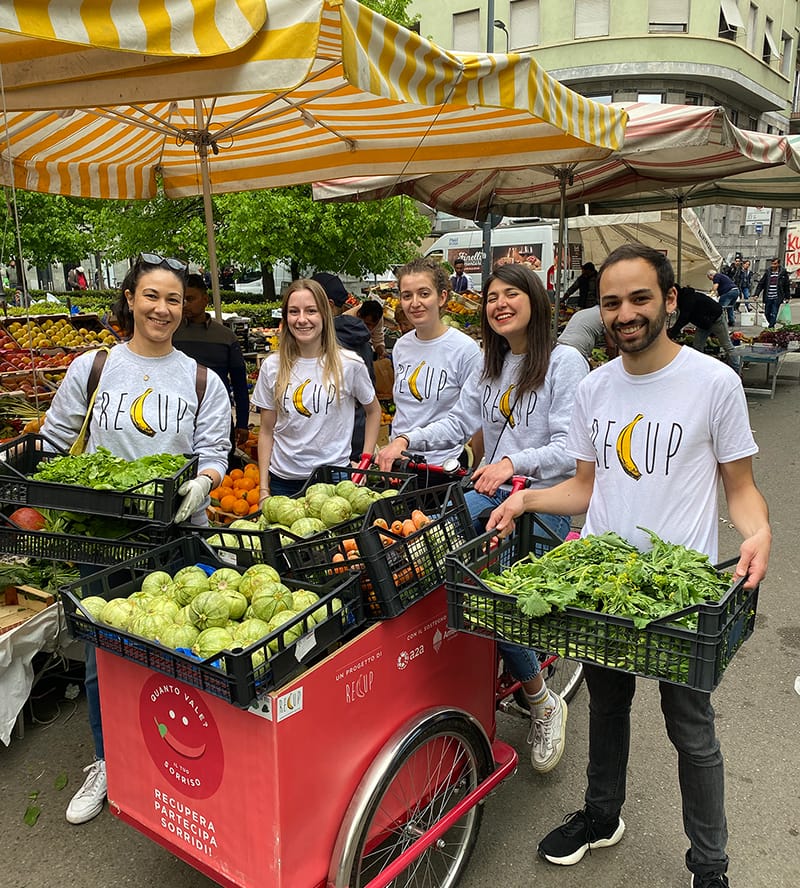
<point>739,54</point>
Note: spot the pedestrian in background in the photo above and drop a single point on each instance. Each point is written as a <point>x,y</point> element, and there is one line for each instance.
<point>586,285</point>
<point>666,386</point>
<point>745,284</point>
<point>774,284</point>
<point>460,282</point>
<point>708,318</point>
<point>726,291</point>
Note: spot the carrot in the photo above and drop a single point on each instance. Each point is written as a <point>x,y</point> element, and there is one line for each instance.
<point>385,540</point>
<point>419,518</point>
<point>354,555</point>
<point>380,522</point>
<point>409,527</point>
<point>350,545</point>
<point>338,557</point>
<point>397,527</point>
<point>403,575</point>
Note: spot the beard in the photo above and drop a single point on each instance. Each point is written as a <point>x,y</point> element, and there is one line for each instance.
<point>646,337</point>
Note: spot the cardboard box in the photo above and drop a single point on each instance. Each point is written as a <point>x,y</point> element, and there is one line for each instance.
<point>20,603</point>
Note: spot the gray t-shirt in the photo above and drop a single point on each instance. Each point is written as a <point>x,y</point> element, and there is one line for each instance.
<point>583,330</point>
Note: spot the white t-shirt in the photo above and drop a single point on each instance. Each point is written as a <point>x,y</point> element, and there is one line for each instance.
<point>656,441</point>
<point>313,426</point>
<point>428,378</point>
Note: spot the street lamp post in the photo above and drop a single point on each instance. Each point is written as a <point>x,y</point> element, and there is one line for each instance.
<point>501,26</point>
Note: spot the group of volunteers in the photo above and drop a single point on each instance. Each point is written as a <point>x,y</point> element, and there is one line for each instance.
<point>528,407</point>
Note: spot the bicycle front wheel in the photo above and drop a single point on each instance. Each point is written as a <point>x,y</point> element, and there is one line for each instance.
<point>563,677</point>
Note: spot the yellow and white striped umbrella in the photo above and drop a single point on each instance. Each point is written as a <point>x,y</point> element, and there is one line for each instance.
<point>317,90</point>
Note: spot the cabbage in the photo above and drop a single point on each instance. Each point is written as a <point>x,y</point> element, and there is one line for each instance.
<point>189,570</point>
<point>211,641</point>
<point>361,501</point>
<point>250,631</point>
<point>93,605</point>
<point>271,505</point>
<point>224,541</point>
<point>336,510</point>
<point>289,512</point>
<point>290,635</point>
<point>164,607</point>
<point>313,504</point>
<point>255,584</point>
<point>303,598</point>
<point>209,609</point>
<point>268,604</point>
<point>321,613</point>
<point>249,541</point>
<point>184,616</point>
<point>237,604</point>
<point>320,489</point>
<point>158,583</point>
<point>346,488</point>
<point>150,625</point>
<point>224,579</point>
<point>118,613</point>
<point>389,493</point>
<point>179,636</point>
<point>140,599</point>
<point>190,584</point>
<point>305,527</point>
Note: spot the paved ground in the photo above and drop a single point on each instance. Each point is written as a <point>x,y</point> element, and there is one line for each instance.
<point>758,716</point>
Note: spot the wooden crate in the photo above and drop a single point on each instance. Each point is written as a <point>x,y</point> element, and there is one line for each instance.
<point>20,603</point>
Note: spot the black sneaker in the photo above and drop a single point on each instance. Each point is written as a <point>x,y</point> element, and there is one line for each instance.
<point>579,833</point>
<point>710,880</point>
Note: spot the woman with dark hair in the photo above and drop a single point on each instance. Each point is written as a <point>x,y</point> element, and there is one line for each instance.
<point>148,400</point>
<point>521,401</point>
<point>307,393</point>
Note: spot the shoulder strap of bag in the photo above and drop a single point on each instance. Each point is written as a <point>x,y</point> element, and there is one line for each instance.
<point>79,445</point>
<point>200,382</point>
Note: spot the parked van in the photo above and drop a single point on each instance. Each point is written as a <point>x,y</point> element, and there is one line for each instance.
<point>531,244</point>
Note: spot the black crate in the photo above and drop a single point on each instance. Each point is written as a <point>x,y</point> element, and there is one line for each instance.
<point>233,676</point>
<point>396,570</point>
<point>663,650</point>
<point>374,479</point>
<point>79,549</point>
<point>153,501</point>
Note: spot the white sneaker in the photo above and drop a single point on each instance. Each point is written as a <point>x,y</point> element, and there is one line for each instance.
<point>547,738</point>
<point>88,800</point>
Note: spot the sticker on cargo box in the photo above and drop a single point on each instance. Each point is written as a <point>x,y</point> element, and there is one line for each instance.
<point>182,737</point>
<point>289,704</point>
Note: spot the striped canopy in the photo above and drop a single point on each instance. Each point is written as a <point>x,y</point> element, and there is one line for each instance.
<point>672,154</point>
<point>315,90</point>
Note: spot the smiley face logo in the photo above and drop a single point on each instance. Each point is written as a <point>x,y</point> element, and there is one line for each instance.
<point>181,736</point>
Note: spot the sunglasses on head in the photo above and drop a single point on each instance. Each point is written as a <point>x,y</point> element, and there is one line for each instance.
<point>156,260</point>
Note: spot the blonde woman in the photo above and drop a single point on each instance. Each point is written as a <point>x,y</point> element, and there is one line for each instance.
<point>306,393</point>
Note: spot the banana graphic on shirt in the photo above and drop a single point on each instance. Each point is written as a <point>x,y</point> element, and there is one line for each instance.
<point>624,448</point>
<point>137,415</point>
<point>297,399</point>
<point>505,406</point>
<point>412,381</point>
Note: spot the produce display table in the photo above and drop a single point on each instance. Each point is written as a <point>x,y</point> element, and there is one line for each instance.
<point>768,355</point>
<point>256,797</point>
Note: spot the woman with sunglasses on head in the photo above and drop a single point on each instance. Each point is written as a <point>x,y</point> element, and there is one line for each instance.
<point>307,393</point>
<point>150,398</point>
<point>520,400</point>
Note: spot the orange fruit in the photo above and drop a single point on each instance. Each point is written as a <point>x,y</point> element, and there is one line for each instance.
<point>253,509</point>
<point>236,473</point>
<point>228,503</point>
<point>244,483</point>
<point>227,481</point>
<point>251,469</point>
<point>241,507</point>
<point>252,496</point>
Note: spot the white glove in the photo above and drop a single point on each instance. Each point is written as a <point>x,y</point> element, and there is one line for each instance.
<point>194,493</point>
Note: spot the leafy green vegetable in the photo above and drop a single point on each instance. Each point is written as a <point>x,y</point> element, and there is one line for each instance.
<point>102,470</point>
<point>605,573</point>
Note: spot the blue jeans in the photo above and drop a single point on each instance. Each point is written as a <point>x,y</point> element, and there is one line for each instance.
<point>285,486</point>
<point>93,700</point>
<point>727,301</point>
<point>771,307</point>
<point>689,718</point>
<point>521,662</point>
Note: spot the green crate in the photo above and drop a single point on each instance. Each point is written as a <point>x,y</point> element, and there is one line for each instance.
<point>664,649</point>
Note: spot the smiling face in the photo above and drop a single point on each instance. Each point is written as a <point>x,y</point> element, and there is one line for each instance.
<point>422,304</point>
<point>635,311</point>
<point>508,312</point>
<point>304,322</point>
<point>157,308</point>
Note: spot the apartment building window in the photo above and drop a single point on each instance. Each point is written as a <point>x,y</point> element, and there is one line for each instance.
<point>591,18</point>
<point>693,99</point>
<point>467,31</point>
<point>752,22</point>
<point>524,23</point>
<point>669,15</point>
<point>651,98</point>
<point>752,123</point>
<point>787,56</point>
<point>770,49</point>
<point>733,116</point>
<point>729,19</point>
<point>603,98</point>
<point>796,94</point>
